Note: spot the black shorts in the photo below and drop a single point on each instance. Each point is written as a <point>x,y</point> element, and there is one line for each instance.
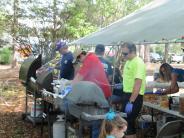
<point>131,118</point>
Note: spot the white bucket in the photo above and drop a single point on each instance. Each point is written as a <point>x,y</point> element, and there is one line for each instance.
<point>59,128</point>
<point>38,111</point>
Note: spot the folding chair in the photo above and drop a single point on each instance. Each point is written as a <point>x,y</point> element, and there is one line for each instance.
<point>171,129</point>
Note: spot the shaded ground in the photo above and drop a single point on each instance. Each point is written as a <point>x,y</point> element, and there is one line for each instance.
<point>12,105</point>
<point>12,126</point>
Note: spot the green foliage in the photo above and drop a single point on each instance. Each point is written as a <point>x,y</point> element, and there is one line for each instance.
<point>56,19</point>
<point>70,20</point>
<point>175,48</point>
<point>78,23</point>
<point>159,49</point>
<point>108,11</point>
<point>5,56</point>
<point>4,22</point>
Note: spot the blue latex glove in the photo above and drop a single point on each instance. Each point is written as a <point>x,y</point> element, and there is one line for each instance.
<point>118,86</point>
<point>66,90</point>
<point>128,108</point>
<point>159,92</point>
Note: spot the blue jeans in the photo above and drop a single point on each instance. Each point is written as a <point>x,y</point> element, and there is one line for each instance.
<point>96,125</point>
<point>116,99</point>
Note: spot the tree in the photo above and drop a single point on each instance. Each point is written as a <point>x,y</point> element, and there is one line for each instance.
<point>50,20</point>
<point>76,20</point>
<point>5,19</point>
<point>14,29</point>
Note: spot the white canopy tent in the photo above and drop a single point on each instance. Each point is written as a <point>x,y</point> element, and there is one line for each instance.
<point>160,19</point>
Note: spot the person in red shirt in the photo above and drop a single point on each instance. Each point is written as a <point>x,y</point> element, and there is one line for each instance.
<point>91,70</point>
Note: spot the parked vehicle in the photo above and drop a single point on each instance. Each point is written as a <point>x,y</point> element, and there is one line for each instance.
<point>155,57</point>
<point>177,58</point>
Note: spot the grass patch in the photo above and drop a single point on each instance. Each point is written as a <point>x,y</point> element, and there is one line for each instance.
<point>9,91</point>
<point>5,56</point>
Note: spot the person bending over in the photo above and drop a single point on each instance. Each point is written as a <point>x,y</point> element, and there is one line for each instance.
<point>170,74</point>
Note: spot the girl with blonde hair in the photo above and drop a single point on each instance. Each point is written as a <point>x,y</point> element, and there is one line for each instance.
<point>113,126</point>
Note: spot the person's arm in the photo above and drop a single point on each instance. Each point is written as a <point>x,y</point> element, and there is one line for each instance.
<point>136,89</point>
<point>83,71</point>
<point>77,78</point>
<point>58,65</point>
<point>110,73</point>
<point>135,92</point>
<point>174,86</point>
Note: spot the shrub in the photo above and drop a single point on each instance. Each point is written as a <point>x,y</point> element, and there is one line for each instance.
<point>5,56</point>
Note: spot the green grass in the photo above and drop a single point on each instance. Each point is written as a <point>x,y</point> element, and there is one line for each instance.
<point>9,91</point>
<point>5,56</point>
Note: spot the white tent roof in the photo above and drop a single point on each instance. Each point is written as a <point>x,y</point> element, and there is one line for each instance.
<point>160,19</point>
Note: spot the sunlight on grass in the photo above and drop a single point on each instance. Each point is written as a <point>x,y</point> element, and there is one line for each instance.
<point>9,91</point>
<point>11,97</point>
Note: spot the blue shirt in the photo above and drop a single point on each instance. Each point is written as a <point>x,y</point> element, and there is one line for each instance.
<point>67,69</point>
<point>106,65</point>
<point>179,73</point>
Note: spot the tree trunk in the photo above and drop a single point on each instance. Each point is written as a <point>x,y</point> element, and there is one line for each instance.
<point>54,31</point>
<point>146,53</point>
<point>141,51</point>
<point>54,20</point>
<point>14,31</point>
<point>166,53</point>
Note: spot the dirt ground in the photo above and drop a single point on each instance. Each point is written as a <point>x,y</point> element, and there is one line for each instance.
<point>12,104</point>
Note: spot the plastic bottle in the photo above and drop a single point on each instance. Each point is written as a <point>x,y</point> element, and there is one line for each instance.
<point>59,127</point>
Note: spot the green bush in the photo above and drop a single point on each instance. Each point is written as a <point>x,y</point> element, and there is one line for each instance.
<point>5,56</point>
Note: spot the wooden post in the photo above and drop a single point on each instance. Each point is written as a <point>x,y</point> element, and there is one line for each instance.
<point>146,53</point>
<point>141,51</point>
<point>166,53</point>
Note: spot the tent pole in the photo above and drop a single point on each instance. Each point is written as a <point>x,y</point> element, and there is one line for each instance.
<point>166,53</point>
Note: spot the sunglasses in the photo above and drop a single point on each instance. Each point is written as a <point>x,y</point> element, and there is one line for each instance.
<point>125,54</point>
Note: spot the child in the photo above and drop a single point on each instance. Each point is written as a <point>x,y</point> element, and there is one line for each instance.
<point>113,126</point>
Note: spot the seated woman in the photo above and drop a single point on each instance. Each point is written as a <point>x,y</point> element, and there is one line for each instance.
<point>170,74</point>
